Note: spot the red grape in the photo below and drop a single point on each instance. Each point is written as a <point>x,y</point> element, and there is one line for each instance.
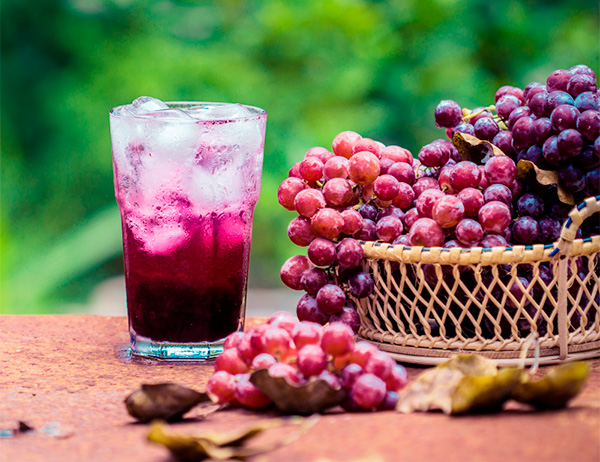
<point>300,231</point>
<point>367,144</point>
<point>288,189</point>
<point>500,170</point>
<point>307,333</point>
<point>313,279</point>
<point>353,221</point>
<point>321,252</point>
<point>337,192</point>
<point>363,168</point>
<point>465,174</point>
<point>292,270</point>
<point>397,154</point>
<point>331,299</point>
<point>344,142</point>
<point>386,187</point>
<point>311,360</point>
<point>249,395</point>
<point>427,200</point>
<point>221,387</point>
<point>308,202</point>
<point>469,232</point>
<point>473,200</point>
<point>327,223</point>
<point>337,339</point>
<point>361,284</point>
<point>494,217</point>
<point>336,167</point>
<point>427,233</point>
<point>405,196</point>
<point>311,169</point>
<point>389,228</point>
<point>368,391</point>
<point>448,211</point>
<point>448,114</point>
<point>308,310</point>
<point>231,362</point>
<point>349,253</point>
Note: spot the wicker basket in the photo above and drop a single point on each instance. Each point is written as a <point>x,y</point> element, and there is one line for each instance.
<point>430,303</point>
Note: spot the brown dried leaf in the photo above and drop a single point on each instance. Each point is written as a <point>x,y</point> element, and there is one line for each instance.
<point>314,396</point>
<point>555,389</point>
<point>225,446</point>
<point>472,364</point>
<point>527,169</point>
<point>472,148</point>
<point>167,401</point>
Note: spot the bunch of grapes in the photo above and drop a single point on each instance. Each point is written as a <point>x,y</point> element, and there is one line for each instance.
<point>304,351</point>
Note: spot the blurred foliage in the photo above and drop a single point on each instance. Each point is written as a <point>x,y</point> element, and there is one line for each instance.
<point>317,66</point>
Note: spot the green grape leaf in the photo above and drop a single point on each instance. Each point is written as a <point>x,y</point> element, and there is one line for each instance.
<point>555,389</point>
<point>167,401</point>
<point>314,396</point>
<point>473,149</point>
<point>526,169</point>
<point>227,445</point>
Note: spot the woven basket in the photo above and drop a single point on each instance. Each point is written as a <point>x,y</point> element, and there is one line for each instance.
<point>430,303</point>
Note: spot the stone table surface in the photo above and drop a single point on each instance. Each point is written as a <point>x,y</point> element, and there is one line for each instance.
<point>67,376</point>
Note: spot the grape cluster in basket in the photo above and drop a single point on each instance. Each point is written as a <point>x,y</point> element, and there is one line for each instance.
<point>304,351</point>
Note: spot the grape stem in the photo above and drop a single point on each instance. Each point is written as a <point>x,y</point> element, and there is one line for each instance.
<point>475,114</point>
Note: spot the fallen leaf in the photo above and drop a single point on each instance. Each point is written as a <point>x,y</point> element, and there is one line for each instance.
<point>314,396</point>
<point>555,389</point>
<point>225,446</point>
<point>526,168</point>
<point>167,401</point>
<point>473,149</point>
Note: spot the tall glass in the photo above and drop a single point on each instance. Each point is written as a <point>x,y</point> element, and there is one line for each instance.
<point>187,180</point>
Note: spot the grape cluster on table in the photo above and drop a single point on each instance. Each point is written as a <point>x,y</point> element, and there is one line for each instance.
<point>304,351</point>
<point>362,190</point>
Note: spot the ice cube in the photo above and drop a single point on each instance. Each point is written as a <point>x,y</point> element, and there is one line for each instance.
<point>146,104</point>
<point>219,111</point>
<point>170,114</point>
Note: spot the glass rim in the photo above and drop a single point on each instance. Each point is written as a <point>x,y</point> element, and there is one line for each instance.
<point>257,113</point>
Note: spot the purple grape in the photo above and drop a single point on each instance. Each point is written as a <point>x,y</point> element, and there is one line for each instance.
<point>308,310</point>
<point>431,155</point>
<point>448,114</point>
<point>551,152</point>
<point>506,104</point>
<point>313,279</point>
<point>331,299</point>
<point>321,252</point>
<point>597,147</point>
<point>558,80</point>
<point>486,128</point>
<point>530,204</point>
<point>588,158</point>
<point>521,111</point>
<point>390,212</point>
<point>588,124</point>
<point>469,232</point>
<point>525,230</point>
<point>463,127</point>
<point>348,316</point>
<point>592,182</point>
<point>403,172</point>
<point>558,98</point>
<point>533,154</point>
<point>447,147</point>
<point>580,83</point>
<point>538,103</point>
<point>368,211</point>
<point>583,69</point>
<point>542,130</point>
<point>523,135</point>
<point>560,211</point>
<point>368,231</point>
<point>482,114</point>
<point>549,229</point>
<point>361,284</point>
<point>503,140</point>
<point>349,253</point>
<point>564,117</point>
<point>532,89</point>
<point>493,240</point>
<point>389,228</point>
<point>498,192</point>
<point>587,100</point>
<point>572,178</point>
<point>570,142</point>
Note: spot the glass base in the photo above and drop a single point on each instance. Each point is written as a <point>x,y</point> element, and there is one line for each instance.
<point>143,346</point>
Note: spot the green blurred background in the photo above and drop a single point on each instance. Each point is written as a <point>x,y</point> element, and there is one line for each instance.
<point>317,68</point>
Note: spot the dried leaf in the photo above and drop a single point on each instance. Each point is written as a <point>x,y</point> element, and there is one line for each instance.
<point>167,401</point>
<point>225,446</point>
<point>314,396</point>
<point>472,148</point>
<point>555,389</point>
<point>464,383</point>
<point>526,168</point>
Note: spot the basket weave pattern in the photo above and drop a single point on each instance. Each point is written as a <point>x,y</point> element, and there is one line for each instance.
<point>430,302</point>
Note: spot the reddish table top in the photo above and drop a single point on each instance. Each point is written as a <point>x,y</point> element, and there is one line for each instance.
<point>67,376</point>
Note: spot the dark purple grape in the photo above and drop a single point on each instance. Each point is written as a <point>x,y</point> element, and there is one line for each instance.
<point>493,240</point>
<point>313,279</point>
<point>549,229</point>
<point>368,231</point>
<point>431,155</point>
<point>368,211</point>
<point>348,316</point>
<point>530,204</point>
<point>597,147</point>
<point>509,90</point>
<point>486,128</point>
<point>525,230</point>
<point>521,111</point>
<point>498,192</point>
<point>321,251</point>
<point>308,310</point>
<point>532,89</point>
<point>551,152</point>
<point>542,130</point>
<point>522,132</point>
<point>563,117</point>
<point>533,154</point>
<point>447,147</point>
<point>463,127</point>
<point>583,69</point>
<point>588,124</point>
<point>503,140</point>
<point>570,142</point>
<point>588,158</point>
<point>506,104</point>
<point>592,182</point>
<point>558,80</point>
<point>587,100</point>
<point>560,211</point>
<point>572,178</point>
<point>558,98</point>
<point>538,103</point>
<point>390,211</point>
<point>580,83</point>
<point>448,114</point>
<point>361,284</point>
<point>349,253</point>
